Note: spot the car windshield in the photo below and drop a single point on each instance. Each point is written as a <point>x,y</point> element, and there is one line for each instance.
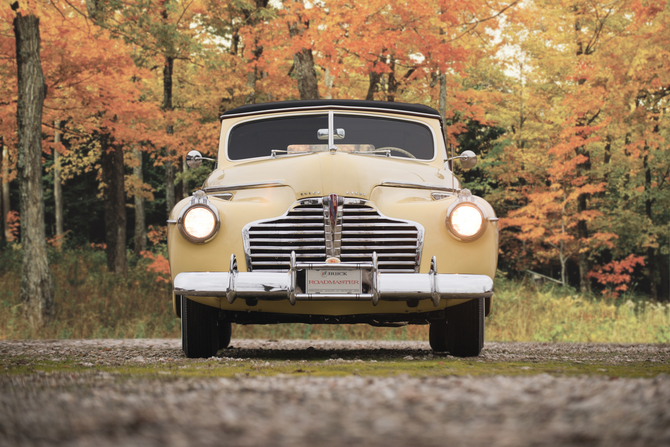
<point>355,134</point>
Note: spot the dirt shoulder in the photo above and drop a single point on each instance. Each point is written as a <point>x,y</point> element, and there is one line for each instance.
<point>305,393</point>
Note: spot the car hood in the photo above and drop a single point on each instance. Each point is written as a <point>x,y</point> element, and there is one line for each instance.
<point>326,173</point>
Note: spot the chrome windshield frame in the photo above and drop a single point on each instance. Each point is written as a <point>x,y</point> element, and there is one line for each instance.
<point>330,114</point>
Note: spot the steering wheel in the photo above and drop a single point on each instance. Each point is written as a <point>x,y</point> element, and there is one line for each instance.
<point>396,149</point>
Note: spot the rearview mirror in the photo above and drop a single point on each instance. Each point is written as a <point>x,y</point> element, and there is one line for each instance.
<point>322,134</point>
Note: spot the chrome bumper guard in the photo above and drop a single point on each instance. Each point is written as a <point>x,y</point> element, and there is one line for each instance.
<point>381,286</point>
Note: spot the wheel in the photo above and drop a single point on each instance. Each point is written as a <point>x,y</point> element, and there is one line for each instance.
<point>462,331</point>
<point>225,331</point>
<point>437,335</point>
<point>199,329</point>
<point>465,327</point>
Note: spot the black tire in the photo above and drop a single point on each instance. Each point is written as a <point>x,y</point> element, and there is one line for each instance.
<point>462,331</point>
<point>437,335</point>
<point>199,329</point>
<point>465,327</point>
<point>225,332</point>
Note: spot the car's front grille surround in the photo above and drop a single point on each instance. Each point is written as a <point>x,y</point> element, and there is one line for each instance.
<point>398,243</point>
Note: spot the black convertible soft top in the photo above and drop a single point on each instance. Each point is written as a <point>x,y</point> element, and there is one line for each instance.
<point>329,104</point>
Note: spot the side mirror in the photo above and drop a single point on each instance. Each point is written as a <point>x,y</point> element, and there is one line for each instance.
<point>194,159</point>
<point>468,159</point>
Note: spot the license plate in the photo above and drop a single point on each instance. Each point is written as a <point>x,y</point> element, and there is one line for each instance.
<point>327,281</point>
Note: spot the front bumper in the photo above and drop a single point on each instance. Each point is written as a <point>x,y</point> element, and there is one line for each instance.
<point>378,286</point>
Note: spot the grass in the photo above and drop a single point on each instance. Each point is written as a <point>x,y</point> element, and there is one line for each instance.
<point>93,303</point>
<point>313,365</point>
<point>90,302</point>
<point>552,313</point>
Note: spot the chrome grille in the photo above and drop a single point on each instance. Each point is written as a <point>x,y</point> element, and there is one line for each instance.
<point>304,229</point>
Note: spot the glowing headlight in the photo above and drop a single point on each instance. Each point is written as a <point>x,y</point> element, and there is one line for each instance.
<point>466,221</point>
<point>199,221</point>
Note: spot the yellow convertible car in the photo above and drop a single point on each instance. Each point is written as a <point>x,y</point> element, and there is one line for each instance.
<point>332,212</point>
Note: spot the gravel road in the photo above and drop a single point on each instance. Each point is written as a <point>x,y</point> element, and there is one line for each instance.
<point>90,405</point>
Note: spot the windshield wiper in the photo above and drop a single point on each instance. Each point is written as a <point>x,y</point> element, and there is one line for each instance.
<point>383,152</point>
<point>281,152</point>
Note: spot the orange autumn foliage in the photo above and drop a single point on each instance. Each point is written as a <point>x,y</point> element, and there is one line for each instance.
<point>14,225</point>
<point>156,235</point>
<point>158,265</point>
<point>578,92</point>
<point>616,275</point>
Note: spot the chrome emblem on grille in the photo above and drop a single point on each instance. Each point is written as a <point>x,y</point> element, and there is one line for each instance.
<point>333,206</point>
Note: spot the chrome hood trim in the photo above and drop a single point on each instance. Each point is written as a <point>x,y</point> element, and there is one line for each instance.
<point>224,188</point>
<point>392,184</point>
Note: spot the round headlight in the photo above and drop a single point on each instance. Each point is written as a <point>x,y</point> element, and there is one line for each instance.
<point>466,221</point>
<point>199,224</point>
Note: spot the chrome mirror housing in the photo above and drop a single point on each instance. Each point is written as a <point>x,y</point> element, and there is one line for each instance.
<point>468,159</point>
<point>322,134</point>
<point>194,159</point>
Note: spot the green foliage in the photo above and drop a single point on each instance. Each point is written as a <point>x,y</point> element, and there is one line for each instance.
<point>93,303</point>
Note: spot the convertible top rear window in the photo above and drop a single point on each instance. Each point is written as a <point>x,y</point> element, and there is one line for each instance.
<point>300,134</point>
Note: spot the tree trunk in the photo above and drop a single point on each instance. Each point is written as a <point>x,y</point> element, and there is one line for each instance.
<point>306,74</point>
<point>374,80</point>
<point>564,266</point>
<point>303,61</point>
<point>443,101</point>
<point>37,294</point>
<point>651,253</point>
<point>184,183</point>
<point>251,85</point>
<point>583,257</point>
<point>3,218</point>
<point>329,84</point>
<point>111,159</point>
<point>252,17</point>
<point>170,198</point>
<point>373,85</point>
<point>58,192</point>
<point>392,89</point>
<point>5,192</point>
<point>583,169</point>
<point>167,107</point>
<point>93,8</point>
<point>113,192</point>
<point>140,225</point>
<point>168,68</point>
<point>561,248</point>
<point>521,144</point>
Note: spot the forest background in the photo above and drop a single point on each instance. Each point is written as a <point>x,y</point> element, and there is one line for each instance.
<point>565,103</point>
